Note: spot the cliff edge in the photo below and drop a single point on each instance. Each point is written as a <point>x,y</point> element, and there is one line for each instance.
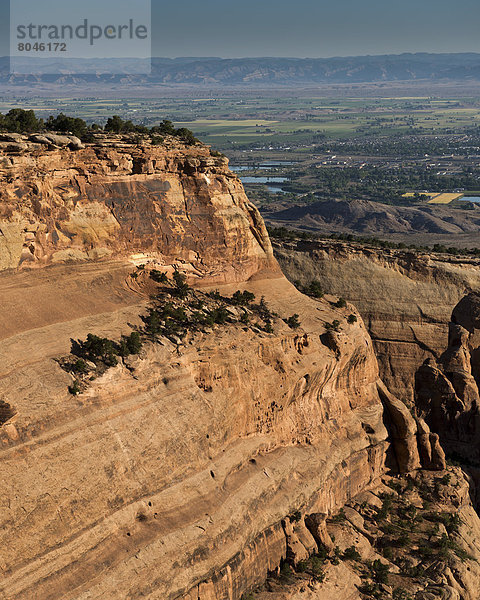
<point>195,469</point>
<point>118,197</point>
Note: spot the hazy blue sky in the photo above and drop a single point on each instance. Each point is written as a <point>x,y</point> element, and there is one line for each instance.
<point>314,28</point>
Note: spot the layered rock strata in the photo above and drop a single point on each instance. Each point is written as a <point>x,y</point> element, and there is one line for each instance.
<point>404,297</point>
<point>115,198</point>
<point>447,390</point>
<point>180,474</point>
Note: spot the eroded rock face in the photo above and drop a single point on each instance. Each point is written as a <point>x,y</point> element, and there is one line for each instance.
<point>446,555</point>
<point>180,474</point>
<point>192,459</point>
<point>115,198</point>
<point>447,393</point>
<point>405,298</point>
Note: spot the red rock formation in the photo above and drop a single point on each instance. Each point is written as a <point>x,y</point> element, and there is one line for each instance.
<point>176,475</point>
<point>447,390</point>
<point>116,198</point>
<point>404,297</point>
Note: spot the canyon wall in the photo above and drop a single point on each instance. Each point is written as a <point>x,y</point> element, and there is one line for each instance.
<point>447,393</point>
<point>176,473</point>
<point>405,298</point>
<point>116,197</point>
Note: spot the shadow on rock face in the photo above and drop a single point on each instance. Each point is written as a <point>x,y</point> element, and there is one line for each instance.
<point>447,391</point>
<point>6,412</point>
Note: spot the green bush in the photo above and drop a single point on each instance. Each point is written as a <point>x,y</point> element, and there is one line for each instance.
<point>286,572</point>
<point>380,571</point>
<point>79,366</point>
<point>262,310</point>
<point>131,344</point>
<point>340,303</point>
<point>18,120</point>
<point>96,349</point>
<point>152,323</point>
<point>351,319</point>
<point>403,540</point>
<point>319,575</point>
<point>245,318</point>
<point>293,321</point>
<point>75,388</point>
<point>395,485</point>
<point>317,563</point>
<point>268,327</point>
<point>66,124</point>
<point>302,566</point>
<point>243,298</point>
<point>181,288</point>
<point>451,521</point>
<point>158,276</point>
<point>219,315</point>
<point>383,512</point>
<point>314,289</point>
<point>334,325</point>
<point>351,553</point>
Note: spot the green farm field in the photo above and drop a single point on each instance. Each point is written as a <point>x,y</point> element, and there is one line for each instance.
<point>245,121</point>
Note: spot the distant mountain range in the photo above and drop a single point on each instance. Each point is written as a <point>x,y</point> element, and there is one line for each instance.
<point>254,72</point>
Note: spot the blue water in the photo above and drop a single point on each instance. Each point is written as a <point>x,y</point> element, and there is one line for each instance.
<point>276,190</point>
<point>269,164</point>
<point>264,179</point>
<point>470,199</point>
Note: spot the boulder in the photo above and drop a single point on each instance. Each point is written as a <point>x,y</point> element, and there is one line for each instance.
<point>12,137</point>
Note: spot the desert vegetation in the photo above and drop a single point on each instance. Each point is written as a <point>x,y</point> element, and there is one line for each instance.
<point>18,120</point>
<point>176,312</point>
<point>414,532</point>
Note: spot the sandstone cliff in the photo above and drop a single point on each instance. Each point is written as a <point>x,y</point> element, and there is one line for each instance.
<point>413,537</point>
<point>405,298</point>
<point>116,198</point>
<point>175,475</point>
<point>447,392</point>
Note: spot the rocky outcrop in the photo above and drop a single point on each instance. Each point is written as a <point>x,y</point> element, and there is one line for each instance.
<point>405,297</point>
<point>153,467</point>
<point>414,446</point>
<point>116,198</point>
<point>193,470</point>
<point>447,390</point>
<point>426,545</point>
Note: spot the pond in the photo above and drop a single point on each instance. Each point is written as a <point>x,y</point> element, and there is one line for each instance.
<point>276,190</point>
<point>470,199</point>
<point>270,164</point>
<point>264,179</point>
